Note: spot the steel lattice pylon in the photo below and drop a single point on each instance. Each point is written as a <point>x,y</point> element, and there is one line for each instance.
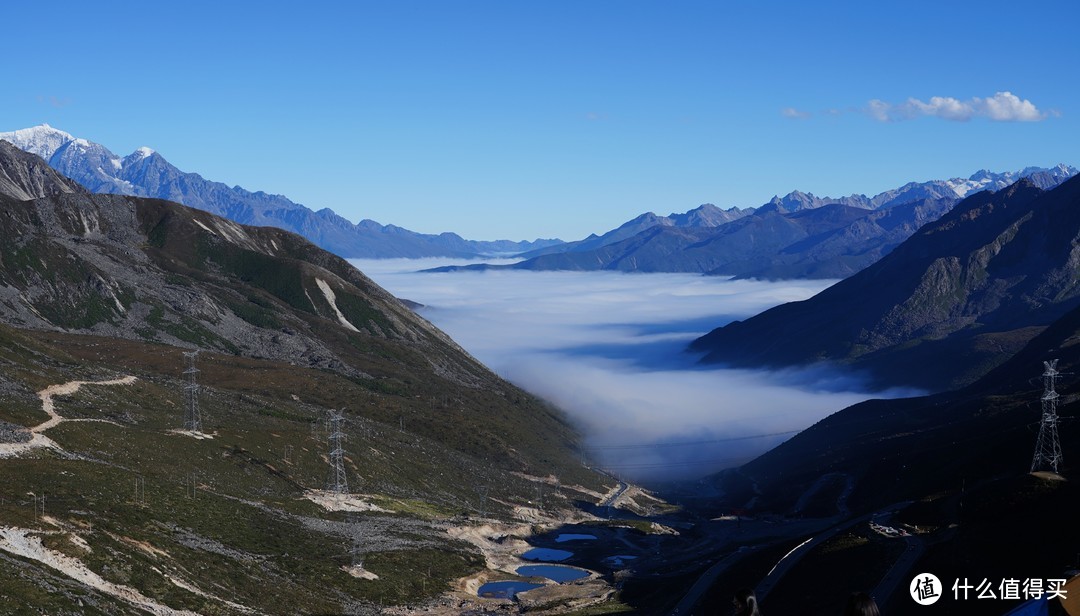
<point>192,417</point>
<point>1048,447</point>
<point>337,482</point>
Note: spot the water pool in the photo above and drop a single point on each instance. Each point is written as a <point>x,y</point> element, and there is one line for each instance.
<point>555,573</point>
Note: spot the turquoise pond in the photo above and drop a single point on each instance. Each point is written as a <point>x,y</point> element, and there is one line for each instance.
<point>505,589</point>
<point>563,538</point>
<point>555,573</point>
<point>547,555</point>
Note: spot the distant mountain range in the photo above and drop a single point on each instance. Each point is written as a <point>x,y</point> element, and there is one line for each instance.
<point>145,173</point>
<point>795,236</point>
<point>953,301</point>
<point>798,235</point>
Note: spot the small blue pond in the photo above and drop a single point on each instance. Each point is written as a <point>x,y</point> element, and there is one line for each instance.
<point>505,589</point>
<point>554,573</point>
<point>563,538</point>
<point>547,555</point>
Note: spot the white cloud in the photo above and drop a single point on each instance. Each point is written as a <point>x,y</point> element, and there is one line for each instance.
<point>1007,107</point>
<point>608,348</point>
<point>1001,107</point>
<point>791,112</point>
<point>879,110</point>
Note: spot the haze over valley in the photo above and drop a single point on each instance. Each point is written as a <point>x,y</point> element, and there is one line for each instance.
<point>610,349</point>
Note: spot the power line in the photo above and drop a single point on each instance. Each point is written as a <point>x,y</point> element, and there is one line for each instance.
<point>686,463</point>
<point>707,442</point>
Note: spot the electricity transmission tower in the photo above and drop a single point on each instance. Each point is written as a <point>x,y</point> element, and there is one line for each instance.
<point>192,418</point>
<point>1048,446</point>
<point>336,483</point>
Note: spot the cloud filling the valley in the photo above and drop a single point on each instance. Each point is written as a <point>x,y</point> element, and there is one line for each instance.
<point>609,349</point>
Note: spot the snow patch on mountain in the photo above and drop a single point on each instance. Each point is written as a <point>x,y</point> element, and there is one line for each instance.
<point>988,180</point>
<point>42,140</point>
<point>331,298</point>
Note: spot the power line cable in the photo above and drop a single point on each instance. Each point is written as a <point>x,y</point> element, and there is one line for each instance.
<point>680,444</point>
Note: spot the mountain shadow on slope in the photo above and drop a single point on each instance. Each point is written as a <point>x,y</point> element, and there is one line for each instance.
<point>946,306</point>
<point>954,465</point>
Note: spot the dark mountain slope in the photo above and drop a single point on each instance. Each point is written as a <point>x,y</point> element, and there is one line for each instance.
<point>839,252</point>
<point>954,464</point>
<point>944,307</point>
<point>155,271</point>
<point>22,178</point>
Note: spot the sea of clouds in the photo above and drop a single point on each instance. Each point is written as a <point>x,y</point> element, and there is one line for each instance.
<point>609,349</point>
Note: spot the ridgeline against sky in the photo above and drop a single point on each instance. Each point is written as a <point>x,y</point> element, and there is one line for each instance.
<point>516,121</point>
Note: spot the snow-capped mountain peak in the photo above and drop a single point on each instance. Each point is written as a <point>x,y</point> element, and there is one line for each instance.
<point>42,140</point>
<point>988,180</point>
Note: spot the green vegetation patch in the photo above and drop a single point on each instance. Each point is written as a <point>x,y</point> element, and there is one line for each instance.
<point>255,310</point>
<point>359,312</point>
<point>414,575</point>
<point>186,329</point>
<point>281,278</point>
<point>79,312</point>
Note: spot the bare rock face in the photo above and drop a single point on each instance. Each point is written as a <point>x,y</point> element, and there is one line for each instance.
<point>24,176</point>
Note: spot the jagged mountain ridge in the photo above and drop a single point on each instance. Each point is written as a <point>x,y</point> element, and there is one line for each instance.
<point>146,173</point>
<point>842,250</point>
<point>831,241</point>
<point>950,303</point>
<point>703,216</point>
<point>799,235</point>
<point>957,188</point>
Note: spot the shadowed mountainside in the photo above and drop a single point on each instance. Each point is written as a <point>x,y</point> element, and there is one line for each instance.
<point>956,299</point>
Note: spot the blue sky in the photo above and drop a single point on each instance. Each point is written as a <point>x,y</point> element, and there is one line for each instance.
<point>519,120</point>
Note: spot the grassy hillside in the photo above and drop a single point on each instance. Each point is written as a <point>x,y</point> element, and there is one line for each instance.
<point>111,507</point>
<point>138,502</point>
